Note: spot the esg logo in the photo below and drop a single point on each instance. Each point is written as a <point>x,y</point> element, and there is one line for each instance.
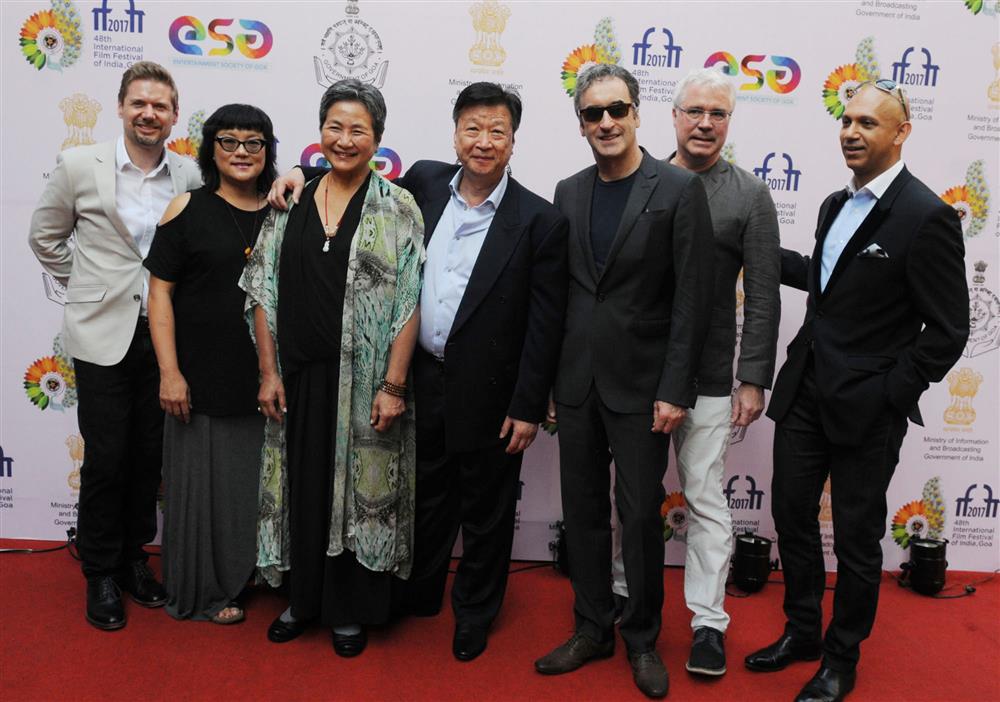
<point>385,162</point>
<point>783,79</point>
<point>187,32</point>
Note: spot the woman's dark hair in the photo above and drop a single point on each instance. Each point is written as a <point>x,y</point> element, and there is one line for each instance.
<point>489,95</point>
<point>236,116</point>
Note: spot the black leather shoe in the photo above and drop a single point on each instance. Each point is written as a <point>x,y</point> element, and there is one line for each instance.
<point>281,631</point>
<point>785,650</point>
<point>827,685</point>
<point>574,653</point>
<point>649,674</point>
<point>350,645</point>
<point>104,603</point>
<point>138,580</point>
<point>469,641</point>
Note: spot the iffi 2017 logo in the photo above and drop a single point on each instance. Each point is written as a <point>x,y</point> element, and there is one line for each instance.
<point>754,497</point>
<point>106,20</point>
<point>188,36</point>
<point>902,74</point>
<point>648,53</point>
<point>782,75</point>
<point>971,506</point>
<point>789,178</point>
<point>6,465</point>
<point>52,38</point>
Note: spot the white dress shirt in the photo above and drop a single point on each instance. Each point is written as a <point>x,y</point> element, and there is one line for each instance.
<point>859,204</point>
<point>451,256</point>
<point>141,199</point>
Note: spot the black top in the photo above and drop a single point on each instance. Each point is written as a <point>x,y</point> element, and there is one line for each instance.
<point>202,251</point>
<point>606,214</point>
<point>312,282</point>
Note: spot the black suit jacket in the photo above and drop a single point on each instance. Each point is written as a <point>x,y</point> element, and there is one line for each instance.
<point>886,326</point>
<point>501,354</point>
<point>637,329</point>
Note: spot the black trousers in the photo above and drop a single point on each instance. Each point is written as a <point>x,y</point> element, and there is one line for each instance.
<point>859,478</point>
<point>122,427</point>
<point>588,435</point>
<point>475,491</point>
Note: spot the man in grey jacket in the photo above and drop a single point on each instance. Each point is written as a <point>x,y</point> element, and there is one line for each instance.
<point>745,228</point>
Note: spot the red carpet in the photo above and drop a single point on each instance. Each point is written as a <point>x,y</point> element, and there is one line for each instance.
<point>922,649</point>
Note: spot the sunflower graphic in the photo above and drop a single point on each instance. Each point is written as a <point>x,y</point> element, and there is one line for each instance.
<point>50,382</point>
<point>911,521</point>
<point>44,384</point>
<point>605,49</point>
<point>841,84</point>
<point>189,145</point>
<point>972,200</point>
<point>674,514</point>
<point>839,88</point>
<point>580,59</point>
<point>987,7</point>
<point>183,147</point>
<point>52,38</point>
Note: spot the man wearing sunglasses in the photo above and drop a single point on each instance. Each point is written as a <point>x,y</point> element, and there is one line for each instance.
<point>640,297</point>
<point>111,196</point>
<point>887,314</point>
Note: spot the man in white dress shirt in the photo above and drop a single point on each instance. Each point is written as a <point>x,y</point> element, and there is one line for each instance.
<point>111,196</point>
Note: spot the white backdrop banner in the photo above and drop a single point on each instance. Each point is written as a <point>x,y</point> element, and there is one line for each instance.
<point>793,63</point>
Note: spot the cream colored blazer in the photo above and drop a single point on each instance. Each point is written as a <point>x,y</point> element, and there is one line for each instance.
<point>103,270</point>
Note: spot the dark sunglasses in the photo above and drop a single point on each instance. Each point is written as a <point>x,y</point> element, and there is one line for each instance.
<point>615,110</point>
<point>230,144</point>
<point>887,85</point>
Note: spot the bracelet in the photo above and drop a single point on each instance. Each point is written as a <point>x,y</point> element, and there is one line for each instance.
<point>392,389</point>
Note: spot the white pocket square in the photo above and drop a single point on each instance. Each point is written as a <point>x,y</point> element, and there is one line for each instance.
<point>873,251</point>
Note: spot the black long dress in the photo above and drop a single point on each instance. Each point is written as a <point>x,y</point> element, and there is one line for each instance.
<point>311,289</point>
<point>211,464</point>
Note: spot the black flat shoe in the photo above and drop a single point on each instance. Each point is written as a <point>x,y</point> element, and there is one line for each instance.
<point>781,653</point>
<point>827,685</point>
<point>469,641</point>
<point>104,603</point>
<point>138,580</point>
<point>281,631</point>
<point>350,645</point>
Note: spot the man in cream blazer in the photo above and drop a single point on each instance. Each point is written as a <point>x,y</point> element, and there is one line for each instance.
<point>111,196</point>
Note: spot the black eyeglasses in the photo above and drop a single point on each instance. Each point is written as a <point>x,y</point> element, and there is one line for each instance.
<point>695,115</point>
<point>615,110</point>
<point>230,144</point>
<point>887,85</point>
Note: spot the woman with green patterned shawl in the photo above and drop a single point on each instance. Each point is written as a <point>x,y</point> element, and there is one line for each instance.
<point>332,289</point>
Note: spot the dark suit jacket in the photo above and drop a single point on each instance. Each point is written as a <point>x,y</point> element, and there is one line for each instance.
<point>885,327</point>
<point>637,329</point>
<point>500,357</point>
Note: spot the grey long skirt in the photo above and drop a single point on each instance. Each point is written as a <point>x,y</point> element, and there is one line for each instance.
<point>210,471</point>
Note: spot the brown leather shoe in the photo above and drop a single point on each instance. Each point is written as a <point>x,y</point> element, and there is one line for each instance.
<point>649,674</point>
<point>785,650</point>
<point>574,653</point>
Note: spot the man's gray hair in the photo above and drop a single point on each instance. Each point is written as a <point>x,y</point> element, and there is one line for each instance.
<point>354,90</point>
<point>605,71</point>
<point>709,78</point>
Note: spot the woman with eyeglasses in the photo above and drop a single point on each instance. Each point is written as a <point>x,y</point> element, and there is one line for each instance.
<point>213,431</point>
<point>332,291</point>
